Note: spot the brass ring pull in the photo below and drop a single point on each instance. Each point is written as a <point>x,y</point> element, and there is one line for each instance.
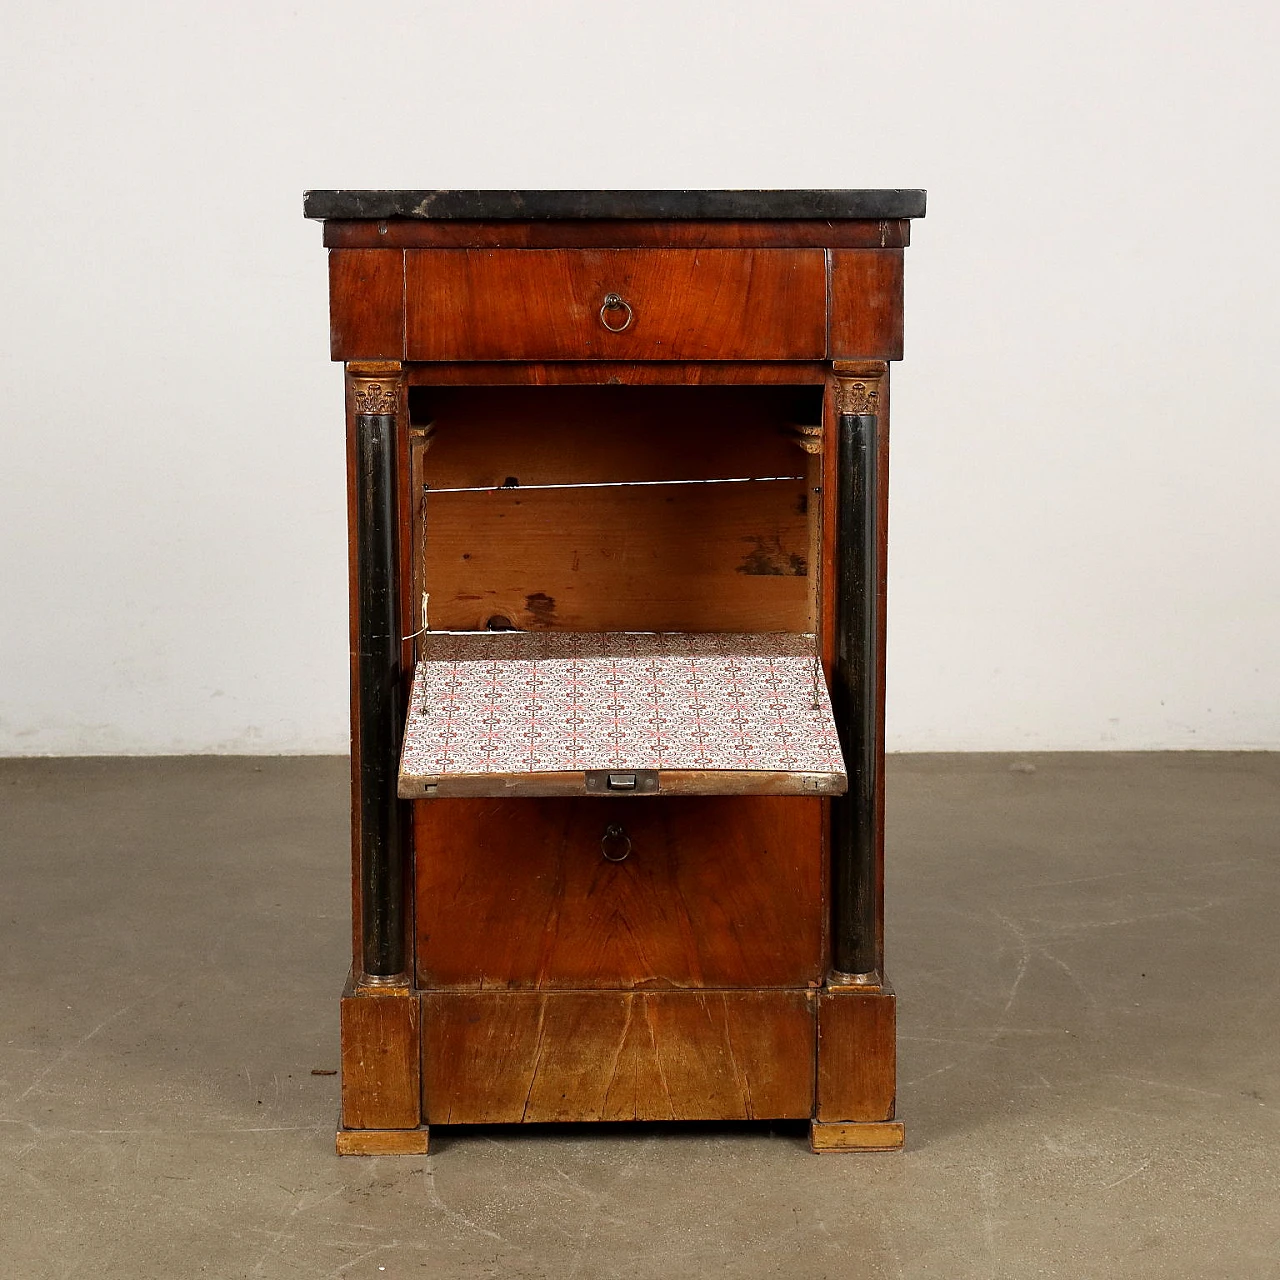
<point>613,302</point>
<point>616,838</point>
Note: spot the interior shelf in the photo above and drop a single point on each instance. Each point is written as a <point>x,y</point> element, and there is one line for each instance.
<point>619,713</point>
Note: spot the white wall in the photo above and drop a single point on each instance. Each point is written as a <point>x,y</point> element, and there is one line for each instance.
<point>1085,522</point>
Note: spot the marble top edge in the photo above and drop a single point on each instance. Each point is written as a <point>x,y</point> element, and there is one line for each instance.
<point>658,205</point>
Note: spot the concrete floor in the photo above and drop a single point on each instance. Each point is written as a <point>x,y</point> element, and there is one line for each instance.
<point>1084,948</point>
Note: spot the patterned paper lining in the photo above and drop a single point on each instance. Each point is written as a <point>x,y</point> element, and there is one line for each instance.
<point>531,702</point>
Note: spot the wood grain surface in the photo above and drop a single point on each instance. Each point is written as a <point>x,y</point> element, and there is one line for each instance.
<point>382,1142</point>
<point>857,1055</point>
<point>866,304</point>
<point>584,434</point>
<point>507,1057</point>
<point>678,558</point>
<point>613,233</point>
<point>885,1135</point>
<point>544,304</point>
<point>366,304</point>
<point>613,373</point>
<point>380,1059</point>
<point>717,891</point>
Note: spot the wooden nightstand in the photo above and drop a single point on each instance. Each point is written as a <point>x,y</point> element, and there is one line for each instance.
<point>617,470</point>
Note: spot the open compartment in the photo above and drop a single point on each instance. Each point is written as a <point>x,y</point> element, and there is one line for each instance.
<point>618,592</point>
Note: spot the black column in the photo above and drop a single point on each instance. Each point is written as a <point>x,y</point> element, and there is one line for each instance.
<point>381,713</point>
<point>855,890</point>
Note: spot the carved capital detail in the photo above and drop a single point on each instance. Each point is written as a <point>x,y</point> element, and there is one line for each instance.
<point>375,386</point>
<point>856,396</point>
<point>376,397</point>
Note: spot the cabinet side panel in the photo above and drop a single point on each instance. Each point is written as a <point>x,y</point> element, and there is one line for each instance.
<point>507,1057</point>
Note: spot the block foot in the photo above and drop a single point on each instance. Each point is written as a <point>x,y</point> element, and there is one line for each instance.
<point>382,1142</point>
<point>835,1135</point>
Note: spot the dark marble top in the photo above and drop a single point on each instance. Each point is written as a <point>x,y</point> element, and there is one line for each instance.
<point>536,205</point>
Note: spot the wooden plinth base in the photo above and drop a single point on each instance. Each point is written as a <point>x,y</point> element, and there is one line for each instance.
<point>412,1058</point>
<point>382,1142</point>
<point>877,1135</point>
<point>512,1057</point>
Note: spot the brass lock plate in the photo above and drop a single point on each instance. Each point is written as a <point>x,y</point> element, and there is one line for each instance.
<point>622,782</point>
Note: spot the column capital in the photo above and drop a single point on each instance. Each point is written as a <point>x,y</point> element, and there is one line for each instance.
<point>857,385</point>
<point>375,386</point>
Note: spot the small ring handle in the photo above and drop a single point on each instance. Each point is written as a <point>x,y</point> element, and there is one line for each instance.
<point>615,302</point>
<point>612,834</point>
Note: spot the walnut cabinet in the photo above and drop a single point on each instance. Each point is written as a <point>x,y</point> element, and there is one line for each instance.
<point>617,475</point>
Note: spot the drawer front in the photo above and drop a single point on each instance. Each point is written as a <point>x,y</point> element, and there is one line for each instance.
<point>551,304</point>
<point>709,892</point>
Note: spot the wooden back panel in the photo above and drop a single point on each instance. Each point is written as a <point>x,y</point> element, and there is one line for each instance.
<point>642,557</point>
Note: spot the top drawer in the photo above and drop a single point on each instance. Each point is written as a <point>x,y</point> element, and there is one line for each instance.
<point>615,304</point>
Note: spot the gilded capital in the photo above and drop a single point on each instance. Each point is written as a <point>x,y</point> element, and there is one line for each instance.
<point>856,395</point>
<point>375,397</point>
<point>375,387</point>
